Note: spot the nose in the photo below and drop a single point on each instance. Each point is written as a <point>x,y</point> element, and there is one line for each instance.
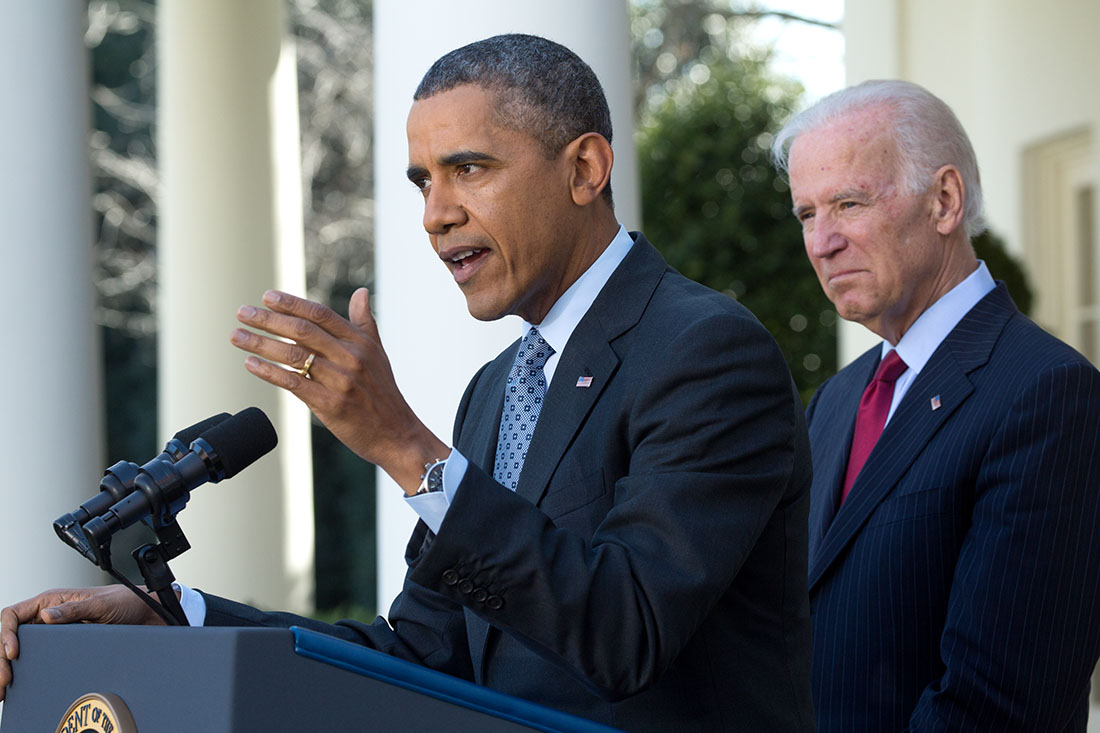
<point>441,210</point>
<point>823,237</point>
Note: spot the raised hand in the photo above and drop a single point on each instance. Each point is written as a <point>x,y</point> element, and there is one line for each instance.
<point>339,369</point>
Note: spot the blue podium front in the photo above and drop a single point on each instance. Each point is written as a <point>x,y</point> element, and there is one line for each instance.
<point>244,680</point>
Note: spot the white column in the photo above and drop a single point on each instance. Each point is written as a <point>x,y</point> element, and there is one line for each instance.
<point>434,344</point>
<point>874,40</point>
<point>230,227</point>
<point>51,435</point>
<point>874,48</point>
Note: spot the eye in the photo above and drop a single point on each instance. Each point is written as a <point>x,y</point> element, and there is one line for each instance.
<point>804,216</point>
<point>422,183</point>
<point>466,168</point>
<point>848,204</point>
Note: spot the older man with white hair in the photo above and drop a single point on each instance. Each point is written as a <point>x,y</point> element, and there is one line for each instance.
<point>954,534</point>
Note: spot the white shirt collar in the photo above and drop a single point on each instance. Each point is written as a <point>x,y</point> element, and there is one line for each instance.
<point>931,328</point>
<point>570,308</point>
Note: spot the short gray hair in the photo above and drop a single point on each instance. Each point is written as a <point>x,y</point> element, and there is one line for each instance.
<point>540,87</point>
<point>926,132</point>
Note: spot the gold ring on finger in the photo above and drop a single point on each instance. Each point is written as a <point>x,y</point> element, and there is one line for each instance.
<point>304,371</point>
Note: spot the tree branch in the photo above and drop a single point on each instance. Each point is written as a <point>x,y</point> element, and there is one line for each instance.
<point>793,17</point>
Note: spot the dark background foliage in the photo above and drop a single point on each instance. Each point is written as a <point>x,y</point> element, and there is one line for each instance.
<point>722,216</point>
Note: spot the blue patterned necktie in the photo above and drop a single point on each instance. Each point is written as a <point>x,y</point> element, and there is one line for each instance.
<point>523,396</point>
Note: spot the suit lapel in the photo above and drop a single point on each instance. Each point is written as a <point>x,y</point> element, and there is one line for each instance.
<point>566,407</point>
<point>946,376</point>
<point>589,352</point>
<point>482,425</point>
<point>831,447</point>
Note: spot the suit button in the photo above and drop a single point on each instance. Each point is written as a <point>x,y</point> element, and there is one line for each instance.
<point>450,577</point>
<point>480,594</point>
<point>465,585</point>
<point>494,602</point>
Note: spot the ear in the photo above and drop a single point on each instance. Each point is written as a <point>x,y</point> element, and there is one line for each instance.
<point>949,198</point>
<point>591,159</point>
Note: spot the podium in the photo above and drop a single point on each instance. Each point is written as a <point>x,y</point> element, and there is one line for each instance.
<point>245,680</point>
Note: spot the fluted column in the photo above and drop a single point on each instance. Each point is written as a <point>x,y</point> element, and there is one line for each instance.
<point>230,227</point>
<point>51,433</point>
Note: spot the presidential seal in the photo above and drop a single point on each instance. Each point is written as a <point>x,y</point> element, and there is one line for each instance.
<point>97,713</point>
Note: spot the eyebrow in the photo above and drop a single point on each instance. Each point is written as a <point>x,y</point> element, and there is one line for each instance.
<point>839,196</point>
<point>460,157</point>
<point>851,193</point>
<point>466,156</point>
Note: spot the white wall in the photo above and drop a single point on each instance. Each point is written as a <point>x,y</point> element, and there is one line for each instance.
<point>1016,73</point>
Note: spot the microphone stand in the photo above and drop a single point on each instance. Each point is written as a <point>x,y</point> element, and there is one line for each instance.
<point>155,493</point>
<point>152,559</point>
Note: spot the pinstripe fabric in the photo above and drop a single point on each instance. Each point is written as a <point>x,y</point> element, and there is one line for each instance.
<point>958,587</point>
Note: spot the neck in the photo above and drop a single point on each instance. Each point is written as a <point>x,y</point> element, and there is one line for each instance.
<point>959,264</point>
<point>590,240</point>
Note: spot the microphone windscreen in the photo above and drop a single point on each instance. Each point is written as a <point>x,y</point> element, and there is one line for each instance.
<point>188,434</point>
<point>240,440</point>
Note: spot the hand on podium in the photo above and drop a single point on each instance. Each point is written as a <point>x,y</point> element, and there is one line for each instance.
<point>113,604</point>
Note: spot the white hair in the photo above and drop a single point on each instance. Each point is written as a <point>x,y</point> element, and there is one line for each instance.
<point>926,133</point>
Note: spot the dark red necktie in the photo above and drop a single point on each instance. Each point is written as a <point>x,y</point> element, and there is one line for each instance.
<point>874,406</point>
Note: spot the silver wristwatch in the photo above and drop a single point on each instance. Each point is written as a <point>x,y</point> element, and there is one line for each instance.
<point>432,478</point>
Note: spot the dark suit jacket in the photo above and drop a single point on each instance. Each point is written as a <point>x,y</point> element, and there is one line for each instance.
<point>649,570</point>
<point>957,587</point>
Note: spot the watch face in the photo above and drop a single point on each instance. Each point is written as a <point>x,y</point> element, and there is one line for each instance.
<point>433,479</point>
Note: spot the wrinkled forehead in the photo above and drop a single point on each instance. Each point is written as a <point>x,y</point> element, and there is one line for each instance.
<point>856,145</point>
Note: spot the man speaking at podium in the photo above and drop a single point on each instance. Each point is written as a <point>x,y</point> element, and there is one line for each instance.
<point>639,557</point>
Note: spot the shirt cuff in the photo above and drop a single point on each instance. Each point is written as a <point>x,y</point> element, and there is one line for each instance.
<point>432,507</point>
<point>194,605</point>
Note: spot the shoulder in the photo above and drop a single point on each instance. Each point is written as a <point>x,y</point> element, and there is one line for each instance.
<point>1032,347</point>
<point>1039,366</point>
<point>996,337</point>
<point>680,305</point>
<point>697,349</point>
<point>1026,358</point>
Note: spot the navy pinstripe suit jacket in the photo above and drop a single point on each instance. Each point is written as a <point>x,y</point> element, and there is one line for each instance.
<point>958,587</point>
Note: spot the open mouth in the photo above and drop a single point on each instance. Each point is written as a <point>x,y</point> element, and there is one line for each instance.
<point>464,262</point>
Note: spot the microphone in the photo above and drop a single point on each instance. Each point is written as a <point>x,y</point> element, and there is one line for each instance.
<point>118,482</point>
<point>162,487</point>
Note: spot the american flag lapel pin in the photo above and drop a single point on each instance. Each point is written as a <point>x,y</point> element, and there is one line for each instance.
<point>936,403</point>
<point>584,382</point>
